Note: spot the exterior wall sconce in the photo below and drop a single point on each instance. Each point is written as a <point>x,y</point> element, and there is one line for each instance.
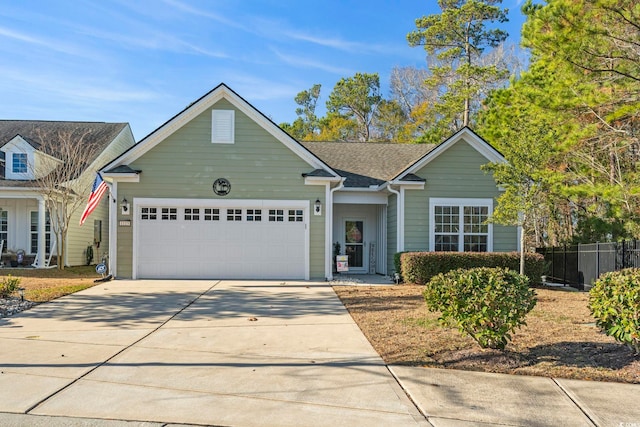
<point>317,210</point>
<point>124,206</point>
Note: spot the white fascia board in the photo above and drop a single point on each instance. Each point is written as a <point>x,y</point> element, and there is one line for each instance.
<point>409,185</point>
<point>320,180</point>
<point>121,177</point>
<point>481,146</point>
<point>200,107</point>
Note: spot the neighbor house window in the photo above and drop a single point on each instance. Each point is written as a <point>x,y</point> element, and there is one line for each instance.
<point>19,163</point>
<point>460,225</point>
<point>34,233</point>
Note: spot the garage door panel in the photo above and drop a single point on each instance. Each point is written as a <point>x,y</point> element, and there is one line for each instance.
<point>202,248</point>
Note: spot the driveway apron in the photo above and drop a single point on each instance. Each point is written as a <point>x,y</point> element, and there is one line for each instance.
<point>231,353</point>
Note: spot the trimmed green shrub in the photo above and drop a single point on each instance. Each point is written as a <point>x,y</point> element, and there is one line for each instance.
<point>614,301</point>
<point>8,286</point>
<point>420,267</point>
<point>485,303</point>
<point>397,264</point>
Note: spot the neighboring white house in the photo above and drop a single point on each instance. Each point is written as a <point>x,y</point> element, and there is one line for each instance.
<point>27,152</point>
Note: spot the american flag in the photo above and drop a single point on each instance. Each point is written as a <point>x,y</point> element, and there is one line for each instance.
<point>99,188</point>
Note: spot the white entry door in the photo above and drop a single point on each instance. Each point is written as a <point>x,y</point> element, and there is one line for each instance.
<point>242,240</point>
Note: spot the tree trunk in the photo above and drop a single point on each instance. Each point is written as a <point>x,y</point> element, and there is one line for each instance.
<point>522,243</point>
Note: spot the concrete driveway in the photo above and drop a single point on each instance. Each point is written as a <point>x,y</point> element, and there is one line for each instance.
<point>228,353</point>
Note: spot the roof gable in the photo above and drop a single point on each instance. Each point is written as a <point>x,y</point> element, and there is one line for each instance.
<point>465,134</point>
<point>202,105</point>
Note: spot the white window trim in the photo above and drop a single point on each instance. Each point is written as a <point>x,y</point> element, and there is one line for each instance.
<point>227,117</point>
<point>439,201</point>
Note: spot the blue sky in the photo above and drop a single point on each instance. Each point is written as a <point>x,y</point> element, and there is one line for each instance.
<point>143,61</point>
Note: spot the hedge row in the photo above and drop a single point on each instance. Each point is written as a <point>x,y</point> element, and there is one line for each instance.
<point>420,267</point>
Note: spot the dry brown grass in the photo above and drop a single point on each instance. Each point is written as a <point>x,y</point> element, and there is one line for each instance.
<point>43,285</point>
<point>560,339</point>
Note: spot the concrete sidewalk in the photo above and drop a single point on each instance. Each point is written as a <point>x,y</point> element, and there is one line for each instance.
<point>451,398</point>
<point>196,352</point>
<point>232,353</point>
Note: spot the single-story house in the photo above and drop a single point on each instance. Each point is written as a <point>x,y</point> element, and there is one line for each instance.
<point>30,150</point>
<point>220,191</point>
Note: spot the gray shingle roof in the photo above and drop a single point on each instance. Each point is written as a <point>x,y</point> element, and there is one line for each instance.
<point>367,163</point>
<point>98,134</point>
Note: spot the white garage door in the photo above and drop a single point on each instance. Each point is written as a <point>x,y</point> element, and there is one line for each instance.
<point>241,240</point>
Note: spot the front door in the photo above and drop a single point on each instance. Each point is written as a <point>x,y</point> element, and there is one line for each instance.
<point>354,243</point>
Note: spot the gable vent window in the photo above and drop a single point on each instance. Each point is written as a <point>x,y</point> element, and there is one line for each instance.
<point>222,126</point>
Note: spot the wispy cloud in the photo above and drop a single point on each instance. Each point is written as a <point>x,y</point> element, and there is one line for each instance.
<point>49,44</point>
<point>75,89</point>
<point>301,62</point>
<point>151,39</point>
<point>205,14</point>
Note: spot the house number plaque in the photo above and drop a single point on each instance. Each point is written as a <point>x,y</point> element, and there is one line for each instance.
<point>221,187</point>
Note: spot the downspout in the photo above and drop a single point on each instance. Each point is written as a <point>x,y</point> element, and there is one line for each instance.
<point>329,231</point>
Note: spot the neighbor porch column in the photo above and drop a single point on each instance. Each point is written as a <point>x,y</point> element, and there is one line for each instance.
<point>42,241</point>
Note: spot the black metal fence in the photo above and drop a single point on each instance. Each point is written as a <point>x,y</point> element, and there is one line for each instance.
<point>580,265</point>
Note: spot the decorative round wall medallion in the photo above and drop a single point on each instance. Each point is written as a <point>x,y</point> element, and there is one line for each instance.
<point>221,187</point>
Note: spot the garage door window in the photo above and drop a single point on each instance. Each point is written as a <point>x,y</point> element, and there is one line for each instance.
<point>234,214</point>
<point>192,214</point>
<point>212,214</point>
<point>276,215</point>
<point>295,215</point>
<point>254,215</point>
<point>169,214</point>
<point>149,213</point>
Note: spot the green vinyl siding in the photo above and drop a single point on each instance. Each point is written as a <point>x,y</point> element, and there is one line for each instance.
<point>456,174</point>
<point>257,165</point>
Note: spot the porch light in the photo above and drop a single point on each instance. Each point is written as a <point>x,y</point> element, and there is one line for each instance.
<point>21,293</point>
<point>124,206</point>
<point>318,207</point>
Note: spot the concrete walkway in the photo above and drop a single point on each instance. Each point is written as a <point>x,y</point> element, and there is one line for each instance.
<point>232,353</point>
<point>225,353</point>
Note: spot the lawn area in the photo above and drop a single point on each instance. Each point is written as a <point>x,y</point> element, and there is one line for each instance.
<point>43,285</point>
<point>560,339</point>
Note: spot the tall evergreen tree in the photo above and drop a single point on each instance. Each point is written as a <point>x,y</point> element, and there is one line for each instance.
<point>458,37</point>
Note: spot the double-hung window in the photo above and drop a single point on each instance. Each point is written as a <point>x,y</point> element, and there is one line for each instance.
<point>460,225</point>
<point>19,163</point>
